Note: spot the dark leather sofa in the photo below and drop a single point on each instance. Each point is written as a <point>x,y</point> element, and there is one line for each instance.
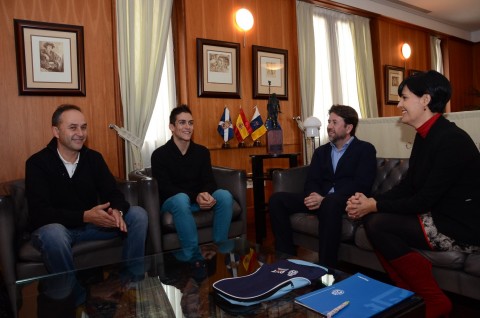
<point>455,271</point>
<point>20,260</point>
<point>165,237</point>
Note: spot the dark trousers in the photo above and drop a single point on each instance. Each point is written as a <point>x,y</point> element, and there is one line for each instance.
<point>394,235</point>
<point>284,204</point>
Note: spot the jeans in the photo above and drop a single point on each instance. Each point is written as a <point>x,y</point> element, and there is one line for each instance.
<point>55,241</point>
<point>182,211</point>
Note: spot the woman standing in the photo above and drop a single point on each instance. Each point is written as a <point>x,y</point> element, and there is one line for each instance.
<point>437,205</point>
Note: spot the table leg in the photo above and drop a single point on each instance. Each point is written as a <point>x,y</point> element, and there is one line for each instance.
<point>258,199</point>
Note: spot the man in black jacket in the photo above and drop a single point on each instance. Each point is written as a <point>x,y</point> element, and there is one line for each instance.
<point>183,170</point>
<point>72,196</point>
<point>338,169</point>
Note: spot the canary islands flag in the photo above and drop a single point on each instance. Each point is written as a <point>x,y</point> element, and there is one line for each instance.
<point>242,127</point>
<point>257,125</point>
<point>225,128</point>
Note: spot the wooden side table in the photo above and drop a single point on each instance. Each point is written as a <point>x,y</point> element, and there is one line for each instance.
<point>258,178</point>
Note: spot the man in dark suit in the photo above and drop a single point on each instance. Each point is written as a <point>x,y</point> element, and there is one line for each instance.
<point>338,169</point>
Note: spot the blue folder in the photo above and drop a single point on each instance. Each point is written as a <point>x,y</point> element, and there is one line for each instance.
<point>367,297</point>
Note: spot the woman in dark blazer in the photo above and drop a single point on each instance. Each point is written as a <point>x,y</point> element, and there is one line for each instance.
<point>437,205</point>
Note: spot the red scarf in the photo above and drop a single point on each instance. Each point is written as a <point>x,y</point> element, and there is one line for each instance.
<point>425,128</point>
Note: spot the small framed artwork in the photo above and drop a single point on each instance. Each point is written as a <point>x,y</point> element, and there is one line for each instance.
<point>270,72</point>
<point>393,77</point>
<point>413,72</point>
<point>50,58</point>
<point>218,69</point>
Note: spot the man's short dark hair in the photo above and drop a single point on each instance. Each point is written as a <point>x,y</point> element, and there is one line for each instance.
<point>349,115</point>
<point>178,110</point>
<point>60,110</point>
<point>432,83</point>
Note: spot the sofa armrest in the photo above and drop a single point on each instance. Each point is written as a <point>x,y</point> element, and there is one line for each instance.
<point>289,180</point>
<point>140,174</point>
<point>234,181</point>
<point>148,199</point>
<point>7,240</point>
<point>129,190</point>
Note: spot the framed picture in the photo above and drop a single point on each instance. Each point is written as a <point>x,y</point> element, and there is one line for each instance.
<point>50,58</point>
<point>413,72</point>
<point>270,72</point>
<point>218,69</point>
<point>393,77</point>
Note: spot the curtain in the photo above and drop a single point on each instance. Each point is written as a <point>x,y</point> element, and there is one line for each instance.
<point>362,44</point>
<point>342,63</point>
<point>158,131</point>
<point>142,30</point>
<point>306,61</point>
<point>306,53</point>
<point>435,48</point>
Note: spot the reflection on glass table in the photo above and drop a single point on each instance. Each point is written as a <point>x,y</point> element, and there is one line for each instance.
<point>160,286</point>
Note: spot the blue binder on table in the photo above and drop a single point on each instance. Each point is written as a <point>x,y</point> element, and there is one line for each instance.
<point>366,297</point>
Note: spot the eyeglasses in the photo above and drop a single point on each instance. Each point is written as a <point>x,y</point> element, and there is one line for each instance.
<point>184,123</point>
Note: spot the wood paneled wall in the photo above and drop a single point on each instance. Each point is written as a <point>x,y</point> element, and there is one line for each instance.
<point>274,26</point>
<point>460,73</point>
<point>388,36</point>
<point>25,122</point>
<point>387,39</point>
<point>476,76</point>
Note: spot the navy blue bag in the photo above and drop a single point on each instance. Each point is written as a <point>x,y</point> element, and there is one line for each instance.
<point>269,282</point>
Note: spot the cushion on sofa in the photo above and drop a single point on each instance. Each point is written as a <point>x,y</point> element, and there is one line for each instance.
<point>472,264</point>
<point>361,239</point>
<point>203,219</point>
<point>453,260</point>
<point>307,223</point>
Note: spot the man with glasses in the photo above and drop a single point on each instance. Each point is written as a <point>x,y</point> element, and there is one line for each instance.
<point>186,185</point>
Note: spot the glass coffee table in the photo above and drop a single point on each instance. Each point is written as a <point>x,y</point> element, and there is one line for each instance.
<point>160,286</point>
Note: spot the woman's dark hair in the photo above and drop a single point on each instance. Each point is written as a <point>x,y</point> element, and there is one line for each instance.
<point>60,110</point>
<point>349,115</point>
<point>432,83</point>
<point>178,110</point>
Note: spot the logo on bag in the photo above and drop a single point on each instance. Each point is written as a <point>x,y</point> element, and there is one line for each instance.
<point>290,273</point>
<point>280,270</point>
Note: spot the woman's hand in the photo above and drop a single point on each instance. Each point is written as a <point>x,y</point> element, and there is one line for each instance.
<point>358,205</point>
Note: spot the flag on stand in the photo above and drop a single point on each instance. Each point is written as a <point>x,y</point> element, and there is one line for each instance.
<point>225,128</point>
<point>250,261</point>
<point>257,126</point>
<point>242,127</point>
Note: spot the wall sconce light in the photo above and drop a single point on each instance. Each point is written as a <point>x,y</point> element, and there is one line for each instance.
<point>244,20</point>
<point>406,52</point>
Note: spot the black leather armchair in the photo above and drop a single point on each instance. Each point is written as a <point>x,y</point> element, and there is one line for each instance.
<point>20,260</point>
<point>166,238</point>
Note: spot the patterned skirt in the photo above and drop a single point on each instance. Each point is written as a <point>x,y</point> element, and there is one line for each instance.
<point>441,242</point>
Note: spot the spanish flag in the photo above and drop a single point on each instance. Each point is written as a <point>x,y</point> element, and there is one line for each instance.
<point>242,127</point>
<point>257,125</point>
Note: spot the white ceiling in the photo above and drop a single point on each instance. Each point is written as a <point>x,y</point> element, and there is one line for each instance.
<point>462,14</point>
